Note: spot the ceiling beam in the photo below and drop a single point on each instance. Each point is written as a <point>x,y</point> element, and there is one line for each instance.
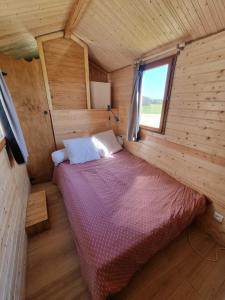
<point>75,16</point>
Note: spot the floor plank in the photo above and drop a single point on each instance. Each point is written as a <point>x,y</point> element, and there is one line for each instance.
<point>220,294</point>
<point>177,272</point>
<point>185,292</point>
<point>53,267</point>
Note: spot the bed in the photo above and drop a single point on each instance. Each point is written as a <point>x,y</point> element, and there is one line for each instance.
<point>122,210</point>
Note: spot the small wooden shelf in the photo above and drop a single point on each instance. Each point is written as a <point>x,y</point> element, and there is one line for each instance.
<point>37,214</point>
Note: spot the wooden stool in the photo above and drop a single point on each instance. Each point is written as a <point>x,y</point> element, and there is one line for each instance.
<point>37,214</point>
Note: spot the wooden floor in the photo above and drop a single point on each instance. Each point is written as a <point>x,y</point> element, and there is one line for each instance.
<point>177,272</point>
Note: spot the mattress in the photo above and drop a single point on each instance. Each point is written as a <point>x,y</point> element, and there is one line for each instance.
<point>122,210</point>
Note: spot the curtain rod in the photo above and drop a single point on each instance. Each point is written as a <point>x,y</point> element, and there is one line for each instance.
<point>170,50</point>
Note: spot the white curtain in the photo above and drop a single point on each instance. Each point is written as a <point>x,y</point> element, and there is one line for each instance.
<point>10,124</point>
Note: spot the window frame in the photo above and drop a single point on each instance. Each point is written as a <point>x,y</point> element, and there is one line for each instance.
<point>171,61</point>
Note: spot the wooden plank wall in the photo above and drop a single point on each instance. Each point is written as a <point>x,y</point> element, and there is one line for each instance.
<point>78,123</point>
<point>25,82</point>
<point>66,73</point>
<point>14,190</point>
<point>97,73</point>
<point>122,81</point>
<point>193,147</point>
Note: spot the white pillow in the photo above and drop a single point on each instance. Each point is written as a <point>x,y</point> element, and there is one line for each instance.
<point>107,143</point>
<point>80,150</point>
<point>59,156</point>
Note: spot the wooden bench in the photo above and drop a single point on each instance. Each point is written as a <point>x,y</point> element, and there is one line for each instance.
<point>37,213</point>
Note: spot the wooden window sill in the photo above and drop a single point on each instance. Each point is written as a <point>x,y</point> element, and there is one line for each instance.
<point>152,129</point>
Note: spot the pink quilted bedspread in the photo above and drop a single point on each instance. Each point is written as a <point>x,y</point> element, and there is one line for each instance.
<point>122,210</point>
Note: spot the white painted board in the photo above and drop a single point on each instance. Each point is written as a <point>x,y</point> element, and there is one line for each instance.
<point>100,94</point>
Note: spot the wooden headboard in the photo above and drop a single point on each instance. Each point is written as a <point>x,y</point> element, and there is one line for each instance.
<point>78,123</point>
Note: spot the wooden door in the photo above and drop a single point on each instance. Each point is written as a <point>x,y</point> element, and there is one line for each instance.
<point>25,82</point>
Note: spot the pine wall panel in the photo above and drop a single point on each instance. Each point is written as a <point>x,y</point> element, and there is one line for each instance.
<point>97,73</point>
<point>14,190</point>
<point>66,73</point>
<point>193,146</point>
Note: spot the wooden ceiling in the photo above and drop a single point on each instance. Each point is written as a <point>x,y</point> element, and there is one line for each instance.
<point>116,31</point>
<point>22,20</point>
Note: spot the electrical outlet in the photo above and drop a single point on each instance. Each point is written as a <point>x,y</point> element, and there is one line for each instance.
<point>218,217</point>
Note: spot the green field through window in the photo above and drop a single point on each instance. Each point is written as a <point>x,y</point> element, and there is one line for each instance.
<point>154,108</point>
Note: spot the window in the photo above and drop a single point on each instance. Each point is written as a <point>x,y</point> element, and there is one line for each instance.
<point>10,124</point>
<point>155,94</point>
